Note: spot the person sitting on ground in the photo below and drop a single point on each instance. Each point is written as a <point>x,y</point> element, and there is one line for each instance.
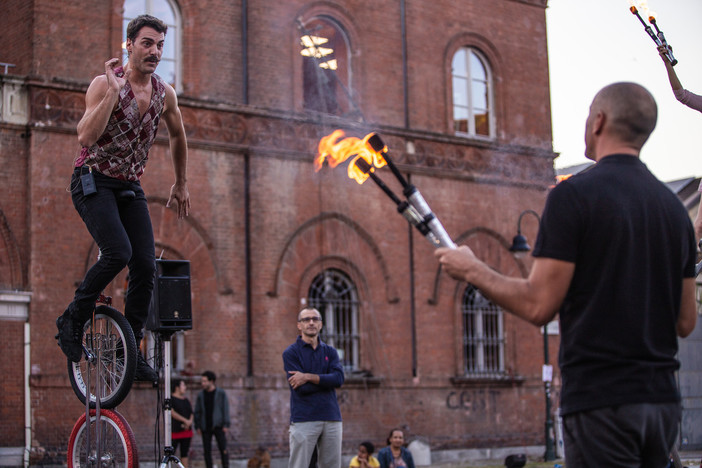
<point>261,459</point>
<point>395,455</point>
<point>365,458</point>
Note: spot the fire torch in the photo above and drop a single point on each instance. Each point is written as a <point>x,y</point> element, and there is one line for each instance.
<point>370,154</point>
<point>658,37</point>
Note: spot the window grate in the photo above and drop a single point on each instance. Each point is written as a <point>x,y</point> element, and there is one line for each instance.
<point>483,336</point>
<point>333,293</point>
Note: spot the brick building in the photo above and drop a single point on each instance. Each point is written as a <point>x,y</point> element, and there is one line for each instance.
<point>459,91</point>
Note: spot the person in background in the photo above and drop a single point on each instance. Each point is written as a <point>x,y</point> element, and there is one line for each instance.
<point>261,459</point>
<point>395,455</point>
<point>314,372</point>
<point>182,420</point>
<point>212,418</point>
<point>365,458</point>
<point>691,100</point>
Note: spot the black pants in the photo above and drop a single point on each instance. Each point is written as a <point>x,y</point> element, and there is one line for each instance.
<point>221,438</point>
<point>639,435</point>
<point>184,446</point>
<point>123,232</point>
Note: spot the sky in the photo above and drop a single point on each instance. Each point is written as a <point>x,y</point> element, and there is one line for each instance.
<point>597,42</point>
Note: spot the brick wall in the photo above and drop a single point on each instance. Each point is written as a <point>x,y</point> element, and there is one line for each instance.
<point>301,221</point>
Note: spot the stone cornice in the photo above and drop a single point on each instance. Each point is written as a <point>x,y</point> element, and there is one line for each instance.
<point>268,132</point>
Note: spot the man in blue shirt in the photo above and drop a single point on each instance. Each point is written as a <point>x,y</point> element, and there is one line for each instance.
<point>313,371</point>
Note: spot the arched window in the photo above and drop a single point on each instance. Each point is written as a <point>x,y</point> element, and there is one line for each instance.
<point>333,293</point>
<point>166,11</point>
<point>325,66</point>
<point>473,113</point>
<point>483,335</point>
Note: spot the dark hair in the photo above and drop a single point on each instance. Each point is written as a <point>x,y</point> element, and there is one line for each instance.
<point>175,383</point>
<point>390,434</point>
<point>370,448</point>
<point>210,375</point>
<point>141,21</point>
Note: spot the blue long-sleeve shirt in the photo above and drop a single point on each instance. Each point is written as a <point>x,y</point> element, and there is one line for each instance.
<point>314,402</point>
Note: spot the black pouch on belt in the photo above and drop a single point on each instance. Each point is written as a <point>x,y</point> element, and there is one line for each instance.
<point>88,182</point>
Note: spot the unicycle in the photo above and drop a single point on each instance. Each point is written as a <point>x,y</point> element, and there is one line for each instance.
<point>101,437</point>
<point>109,332</point>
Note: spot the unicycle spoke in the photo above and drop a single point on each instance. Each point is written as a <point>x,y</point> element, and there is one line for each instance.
<point>112,365</point>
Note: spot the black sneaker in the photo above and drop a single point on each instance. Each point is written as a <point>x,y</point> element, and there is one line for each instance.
<point>70,337</point>
<point>144,372</point>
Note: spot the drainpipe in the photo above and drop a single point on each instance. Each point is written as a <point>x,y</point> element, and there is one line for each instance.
<point>27,396</point>
<point>413,311</point>
<point>247,189</point>
<point>405,91</point>
<point>247,247</point>
<point>405,95</point>
<point>405,79</point>
<point>245,50</point>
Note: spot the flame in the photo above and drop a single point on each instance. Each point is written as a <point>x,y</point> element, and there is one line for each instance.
<point>336,150</point>
<point>560,178</point>
<point>643,6</point>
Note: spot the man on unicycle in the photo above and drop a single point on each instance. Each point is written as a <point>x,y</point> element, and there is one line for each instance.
<point>123,109</point>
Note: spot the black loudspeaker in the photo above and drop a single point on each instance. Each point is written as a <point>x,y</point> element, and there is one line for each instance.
<point>170,302</point>
<point>516,461</point>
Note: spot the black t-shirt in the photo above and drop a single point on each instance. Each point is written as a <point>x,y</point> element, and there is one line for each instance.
<point>632,243</point>
<point>183,408</point>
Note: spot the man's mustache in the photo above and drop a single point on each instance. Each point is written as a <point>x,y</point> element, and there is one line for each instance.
<point>152,59</point>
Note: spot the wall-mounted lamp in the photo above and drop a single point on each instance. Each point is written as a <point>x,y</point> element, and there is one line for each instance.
<point>519,242</point>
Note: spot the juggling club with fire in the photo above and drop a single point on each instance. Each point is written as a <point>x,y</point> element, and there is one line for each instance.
<point>658,37</point>
<point>371,154</point>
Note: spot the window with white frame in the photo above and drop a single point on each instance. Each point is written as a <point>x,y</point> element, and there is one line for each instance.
<point>166,11</point>
<point>335,296</point>
<point>483,335</point>
<point>472,94</point>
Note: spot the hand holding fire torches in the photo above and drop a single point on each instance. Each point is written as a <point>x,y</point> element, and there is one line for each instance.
<point>461,263</point>
<point>371,154</point>
<point>416,200</point>
<point>658,37</point>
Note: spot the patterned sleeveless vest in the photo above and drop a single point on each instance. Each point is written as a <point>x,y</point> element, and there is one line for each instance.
<point>123,148</point>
